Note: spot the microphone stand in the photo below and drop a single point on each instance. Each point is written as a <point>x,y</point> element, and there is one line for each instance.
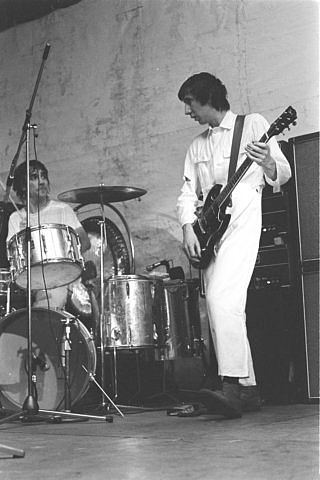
<point>30,406</point>
<point>24,130</point>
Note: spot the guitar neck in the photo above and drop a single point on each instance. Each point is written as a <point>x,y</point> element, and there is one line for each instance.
<point>236,177</point>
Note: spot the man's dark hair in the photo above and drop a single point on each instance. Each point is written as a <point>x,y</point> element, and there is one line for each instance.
<point>20,176</point>
<point>206,89</point>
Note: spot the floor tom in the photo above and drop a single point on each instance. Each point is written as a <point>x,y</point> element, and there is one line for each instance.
<point>128,305</point>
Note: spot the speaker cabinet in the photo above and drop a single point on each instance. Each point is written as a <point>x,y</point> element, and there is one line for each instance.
<point>270,326</point>
<point>283,296</point>
<point>306,173</point>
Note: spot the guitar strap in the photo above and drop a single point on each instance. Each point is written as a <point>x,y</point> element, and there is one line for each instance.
<point>237,134</point>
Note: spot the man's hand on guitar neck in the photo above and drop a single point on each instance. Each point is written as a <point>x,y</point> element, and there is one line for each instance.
<point>191,243</point>
<point>259,153</point>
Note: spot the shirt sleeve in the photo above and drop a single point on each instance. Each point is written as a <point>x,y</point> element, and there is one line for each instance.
<point>70,218</point>
<point>13,225</point>
<point>188,198</point>
<point>260,126</point>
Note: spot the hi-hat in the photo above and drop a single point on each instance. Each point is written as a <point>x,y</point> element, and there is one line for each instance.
<point>101,194</point>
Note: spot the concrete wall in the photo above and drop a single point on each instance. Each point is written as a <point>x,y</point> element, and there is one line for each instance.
<point>107,108</point>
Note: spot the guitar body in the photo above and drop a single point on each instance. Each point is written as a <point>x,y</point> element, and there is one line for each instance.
<point>210,230</point>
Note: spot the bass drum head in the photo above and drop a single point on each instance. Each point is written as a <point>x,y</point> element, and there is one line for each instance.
<point>116,261</point>
<point>47,348</point>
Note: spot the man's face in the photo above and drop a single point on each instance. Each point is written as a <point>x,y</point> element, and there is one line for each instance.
<point>193,108</point>
<point>39,184</point>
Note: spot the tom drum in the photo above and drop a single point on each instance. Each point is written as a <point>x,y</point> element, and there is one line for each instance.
<point>55,256</point>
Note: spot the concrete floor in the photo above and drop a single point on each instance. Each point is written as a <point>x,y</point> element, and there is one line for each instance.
<point>278,443</point>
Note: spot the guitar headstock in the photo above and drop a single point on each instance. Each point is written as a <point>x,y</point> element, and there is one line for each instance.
<point>287,118</point>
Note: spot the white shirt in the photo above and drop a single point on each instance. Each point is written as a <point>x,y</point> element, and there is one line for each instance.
<point>208,157</point>
<point>53,212</point>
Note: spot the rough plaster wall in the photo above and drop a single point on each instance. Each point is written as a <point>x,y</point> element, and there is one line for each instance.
<point>107,107</point>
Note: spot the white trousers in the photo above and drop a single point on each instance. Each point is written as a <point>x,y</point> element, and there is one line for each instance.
<point>226,281</point>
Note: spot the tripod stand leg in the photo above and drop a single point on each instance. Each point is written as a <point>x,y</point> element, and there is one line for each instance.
<point>107,418</point>
<point>103,392</point>
<point>15,452</point>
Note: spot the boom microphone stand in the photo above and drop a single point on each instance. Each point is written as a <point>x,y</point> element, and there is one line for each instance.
<point>30,406</point>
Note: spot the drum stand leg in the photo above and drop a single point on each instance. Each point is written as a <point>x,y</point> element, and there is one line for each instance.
<point>103,392</point>
<point>164,394</point>
<point>14,452</point>
<point>115,381</point>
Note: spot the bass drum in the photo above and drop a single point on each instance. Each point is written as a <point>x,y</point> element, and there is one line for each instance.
<point>47,348</point>
<point>116,261</point>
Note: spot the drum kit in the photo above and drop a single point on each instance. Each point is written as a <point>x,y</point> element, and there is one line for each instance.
<point>115,310</point>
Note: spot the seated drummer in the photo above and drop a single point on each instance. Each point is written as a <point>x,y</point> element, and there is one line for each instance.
<point>43,210</point>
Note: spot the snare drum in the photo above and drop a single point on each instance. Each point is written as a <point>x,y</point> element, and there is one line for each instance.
<point>55,261</point>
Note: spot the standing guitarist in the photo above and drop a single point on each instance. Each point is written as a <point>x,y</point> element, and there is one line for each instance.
<point>228,273</point>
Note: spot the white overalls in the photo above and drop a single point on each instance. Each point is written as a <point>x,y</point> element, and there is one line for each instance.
<point>228,275</point>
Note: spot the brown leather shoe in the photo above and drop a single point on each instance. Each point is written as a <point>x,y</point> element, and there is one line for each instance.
<point>225,402</point>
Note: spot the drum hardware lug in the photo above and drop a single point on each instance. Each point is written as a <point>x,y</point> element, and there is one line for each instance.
<point>43,239</point>
<point>115,334</point>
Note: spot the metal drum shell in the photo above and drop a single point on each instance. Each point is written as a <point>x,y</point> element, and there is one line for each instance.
<point>128,306</point>
<point>55,255</point>
<point>180,330</point>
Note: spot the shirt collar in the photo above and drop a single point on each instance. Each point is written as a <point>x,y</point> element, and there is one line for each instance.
<point>227,122</point>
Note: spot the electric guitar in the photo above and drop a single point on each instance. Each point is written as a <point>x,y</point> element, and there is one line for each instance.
<point>212,220</point>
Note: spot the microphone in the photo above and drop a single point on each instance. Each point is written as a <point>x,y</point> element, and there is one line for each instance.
<point>157,264</point>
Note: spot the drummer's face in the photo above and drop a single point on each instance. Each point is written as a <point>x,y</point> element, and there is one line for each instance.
<point>39,184</point>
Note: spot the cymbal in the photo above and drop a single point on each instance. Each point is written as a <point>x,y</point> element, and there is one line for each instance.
<point>101,194</point>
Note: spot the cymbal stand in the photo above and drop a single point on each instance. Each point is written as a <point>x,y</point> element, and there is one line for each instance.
<point>103,240</point>
<point>103,243</point>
